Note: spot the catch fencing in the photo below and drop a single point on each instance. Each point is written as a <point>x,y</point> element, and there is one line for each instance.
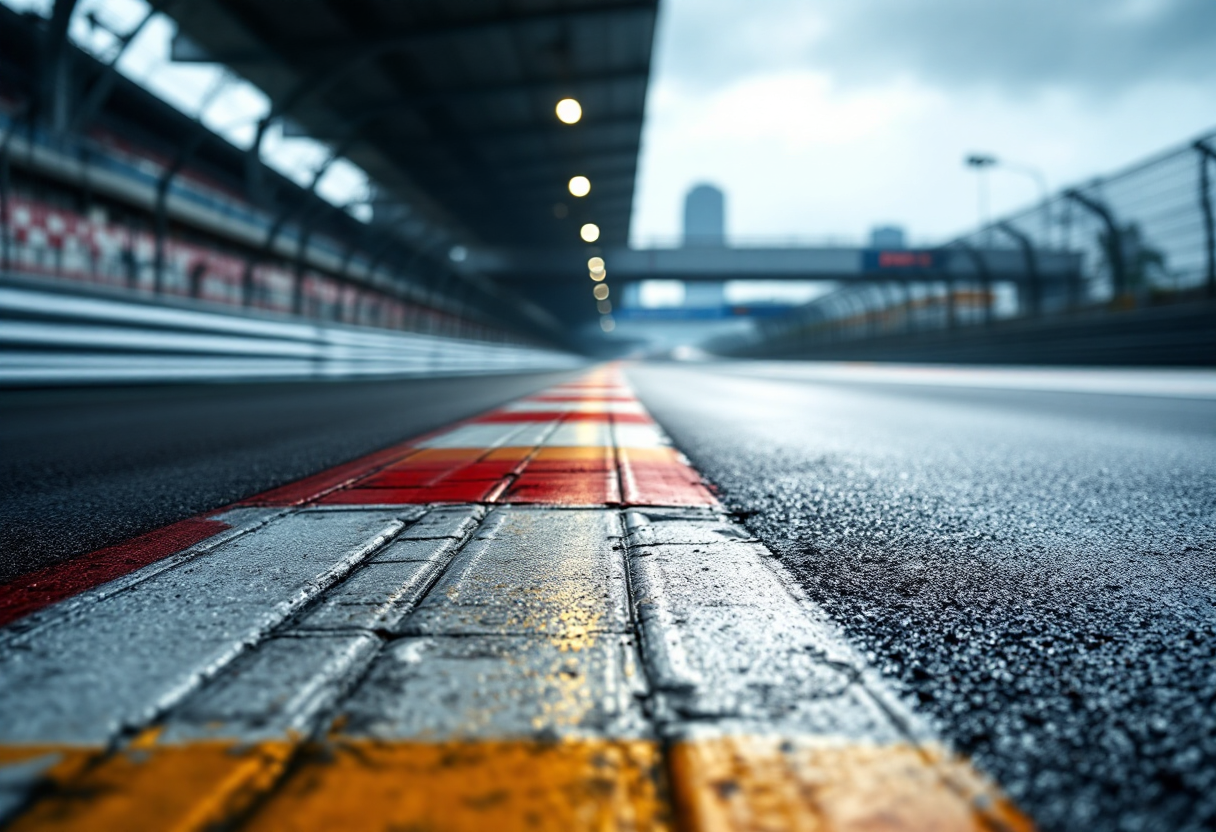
<point>1144,237</point>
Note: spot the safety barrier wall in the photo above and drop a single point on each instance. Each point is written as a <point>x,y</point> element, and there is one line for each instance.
<point>67,335</point>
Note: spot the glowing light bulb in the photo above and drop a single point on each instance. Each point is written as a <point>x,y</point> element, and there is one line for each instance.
<point>580,186</point>
<point>569,111</point>
<point>595,264</point>
<point>607,324</point>
<point>589,232</point>
<point>600,291</point>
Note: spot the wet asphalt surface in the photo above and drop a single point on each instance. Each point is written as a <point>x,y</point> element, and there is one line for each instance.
<point>85,468</point>
<point>1036,571</point>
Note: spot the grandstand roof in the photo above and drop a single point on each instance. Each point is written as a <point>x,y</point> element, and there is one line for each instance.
<point>450,105</point>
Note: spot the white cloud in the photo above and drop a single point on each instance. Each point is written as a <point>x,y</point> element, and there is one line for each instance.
<point>806,144</point>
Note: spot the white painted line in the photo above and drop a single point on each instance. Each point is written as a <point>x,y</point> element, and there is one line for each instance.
<point>1163,383</point>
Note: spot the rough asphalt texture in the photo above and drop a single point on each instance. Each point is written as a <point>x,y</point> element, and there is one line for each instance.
<point>84,468</point>
<point>1038,570</point>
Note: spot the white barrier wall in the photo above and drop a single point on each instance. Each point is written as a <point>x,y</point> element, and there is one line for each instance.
<point>58,336</point>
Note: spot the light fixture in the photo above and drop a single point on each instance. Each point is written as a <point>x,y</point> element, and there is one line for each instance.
<point>580,185</point>
<point>598,276</point>
<point>596,264</point>
<point>600,291</point>
<point>603,306</point>
<point>607,324</point>
<point>569,111</point>
<point>589,232</point>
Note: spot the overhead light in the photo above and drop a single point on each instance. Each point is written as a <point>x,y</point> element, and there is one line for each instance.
<point>598,276</point>
<point>580,185</point>
<point>600,291</point>
<point>606,323</point>
<point>569,111</point>
<point>596,264</point>
<point>589,232</point>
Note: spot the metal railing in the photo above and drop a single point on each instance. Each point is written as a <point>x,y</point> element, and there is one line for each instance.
<point>67,335</point>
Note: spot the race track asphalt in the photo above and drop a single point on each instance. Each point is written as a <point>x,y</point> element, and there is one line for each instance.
<point>1033,568</point>
<point>87,467</point>
<point>1036,569</point>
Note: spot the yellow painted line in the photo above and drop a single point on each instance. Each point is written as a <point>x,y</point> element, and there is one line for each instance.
<point>502,786</point>
<point>357,784</point>
<point>510,453</point>
<point>447,455</point>
<point>724,784</point>
<point>763,784</point>
<point>153,789</point>
<point>665,455</point>
<point>577,453</point>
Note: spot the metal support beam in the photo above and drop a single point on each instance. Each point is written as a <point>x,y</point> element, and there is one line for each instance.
<point>55,78</point>
<point>293,209</point>
<point>410,102</point>
<point>6,185</point>
<point>1034,285</point>
<point>1114,236</point>
<point>951,303</point>
<point>160,213</point>
<point>1206,157</point>
<point>339,49</point>
<point>105,81</point>
<point>985,275</point>
<point>5,224</point>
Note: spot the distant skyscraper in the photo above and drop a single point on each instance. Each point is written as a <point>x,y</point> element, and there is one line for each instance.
<point>887,237</point>
<point>705,217</point>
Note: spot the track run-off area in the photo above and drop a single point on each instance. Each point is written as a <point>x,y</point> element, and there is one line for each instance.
<point>841,611</point>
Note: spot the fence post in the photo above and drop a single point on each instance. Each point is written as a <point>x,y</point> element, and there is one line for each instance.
<point>1206,156</point>
<point>951,303</point>
<point>1032,266</point>
<point>1118,267</point>
<point>5,187</point>
<point>981,270</point>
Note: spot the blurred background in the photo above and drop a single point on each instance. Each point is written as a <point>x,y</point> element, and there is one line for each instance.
<point>394,215</point>
<point>228,189</point>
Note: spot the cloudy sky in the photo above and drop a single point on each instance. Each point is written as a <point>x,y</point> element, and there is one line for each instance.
<point>825,117</point>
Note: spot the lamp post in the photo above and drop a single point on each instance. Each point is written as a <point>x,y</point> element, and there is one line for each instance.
<point>981,161</point>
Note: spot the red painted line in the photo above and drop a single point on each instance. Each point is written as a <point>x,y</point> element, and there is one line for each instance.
<point>663,484</point>
<point>40,589</point>
<point>404,478</point>
<point>406,474</point>
<point>570,466</point>
<point>456,492</point>
<point>546,416</point>
<point>482,471</point>
<point>565,489</point>
<point>580,399</point>
<point>308,489</point>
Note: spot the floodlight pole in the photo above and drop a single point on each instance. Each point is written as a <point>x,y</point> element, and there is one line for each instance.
<point>980,162</point>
